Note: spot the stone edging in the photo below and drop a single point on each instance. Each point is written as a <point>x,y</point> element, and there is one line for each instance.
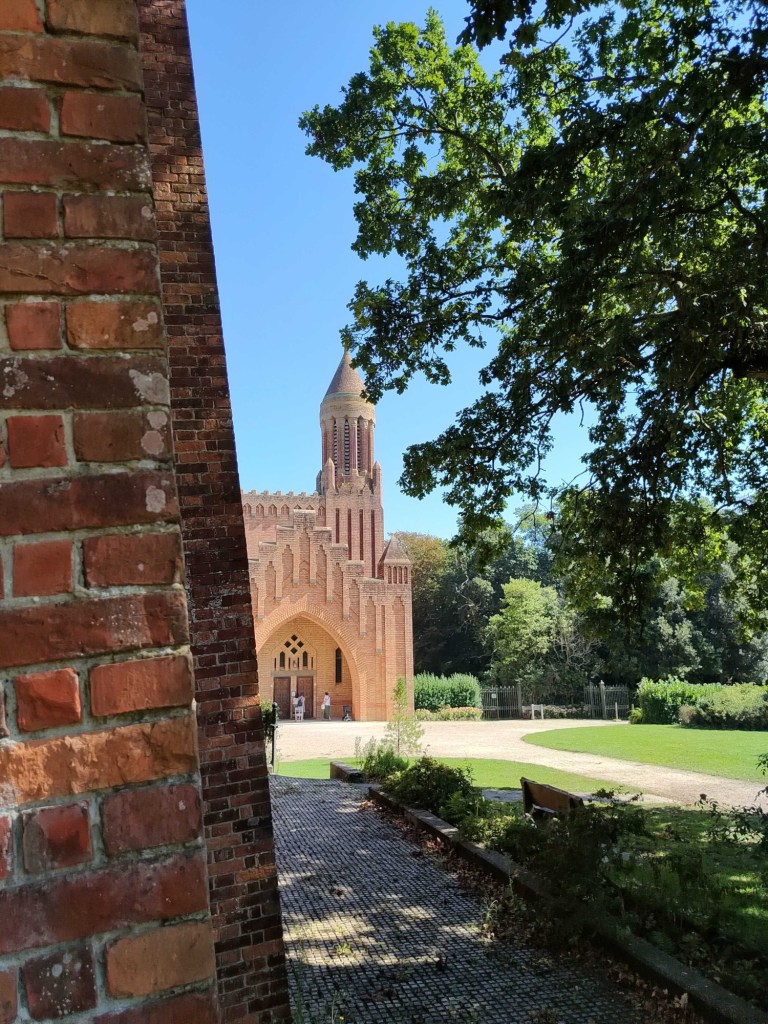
<point>711,999</point>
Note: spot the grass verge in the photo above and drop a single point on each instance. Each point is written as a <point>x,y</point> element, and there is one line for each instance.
<point>729,753</point>
<point>487,774</point>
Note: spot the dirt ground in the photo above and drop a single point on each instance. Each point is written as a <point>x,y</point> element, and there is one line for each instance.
<point>504,740</point>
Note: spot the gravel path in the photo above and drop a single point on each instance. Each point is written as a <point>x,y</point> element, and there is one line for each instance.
<point>376,933</point>
<point>504,739</point>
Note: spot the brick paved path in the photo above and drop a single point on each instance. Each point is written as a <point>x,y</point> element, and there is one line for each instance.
<point>379,935</point>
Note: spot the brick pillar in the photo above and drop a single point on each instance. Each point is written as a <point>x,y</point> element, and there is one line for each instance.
<point>103,890</point>
<point>245,907</point>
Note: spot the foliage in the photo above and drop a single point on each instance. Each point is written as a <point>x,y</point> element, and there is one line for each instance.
<point>431,692</point>
<point>430,783</point>
<point>594,209</point>
<point>403,733</point>
<point>377,759</point>
<point>536,641</point>
<point>741,706</point>
<point>450,715</point>
<point>660,700</point>
<point>456,589</point>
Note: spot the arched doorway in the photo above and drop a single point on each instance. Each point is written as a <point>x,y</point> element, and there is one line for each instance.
<point>293,674</point>
<point>329,666</point>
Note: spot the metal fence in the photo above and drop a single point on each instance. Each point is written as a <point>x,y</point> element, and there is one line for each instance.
<point>502,701</point>
<point>607,701</point>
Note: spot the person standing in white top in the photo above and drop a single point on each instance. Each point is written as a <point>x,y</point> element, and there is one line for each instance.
<point>327,706</point>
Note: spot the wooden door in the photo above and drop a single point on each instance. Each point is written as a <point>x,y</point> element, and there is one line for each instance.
<point>282,695</point>
<point>306,685</point>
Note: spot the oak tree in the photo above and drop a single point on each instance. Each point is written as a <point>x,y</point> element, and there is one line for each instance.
<point>592,211</point>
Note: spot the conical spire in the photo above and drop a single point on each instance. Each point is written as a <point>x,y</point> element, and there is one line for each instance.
<point>346,380</point>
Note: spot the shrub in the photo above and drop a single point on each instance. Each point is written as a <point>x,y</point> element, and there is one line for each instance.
<point>740,706</point>
<point>636,716</point>
<point>450,715</point>
<point>434,692</point>
<point>559,711</point>
<point>660,700</point>
<point>428,783</point>
<point>378,760</point>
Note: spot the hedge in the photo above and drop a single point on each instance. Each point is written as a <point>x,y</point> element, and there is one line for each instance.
<point>659,700</point>
<point>431,693</point>
<point>740,706</point>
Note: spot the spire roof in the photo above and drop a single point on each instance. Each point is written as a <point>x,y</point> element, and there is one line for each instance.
<point>394,551</point>
<point>346,380</point>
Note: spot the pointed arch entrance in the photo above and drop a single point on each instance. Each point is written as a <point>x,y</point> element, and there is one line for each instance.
<point>302,653</point>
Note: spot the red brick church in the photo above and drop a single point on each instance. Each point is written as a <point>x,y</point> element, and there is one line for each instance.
<point>331,598</point>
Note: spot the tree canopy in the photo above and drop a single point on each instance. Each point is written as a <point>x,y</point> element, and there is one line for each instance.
<point>593,212</point>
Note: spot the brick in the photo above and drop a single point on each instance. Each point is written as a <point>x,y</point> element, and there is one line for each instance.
<point>6,855</point>
<point>109,217</point>
<point>8,997</point>
<point>125,560</point>
<point>4,730</point>
<point>141,684</point>
<point>74,269</point>
<point>30,215</point>
<point>45,700</point>
<point>190,1008</point>
<point>73,164</point>
<point>33,325</point>
<point>56,837</point>
<point>106,18</point>
<point>69,765</point>
<point>139,819</point>
<point>42,569</point>
<point>117,499</point>
<point>81,62</point>
<point>67,909</point>
<point>20,16</point>
<point>67,382</point>
<point>24,110</point>
<point>97,116</point>
<point>73,629</point>
<point>36,441</point>
<point>60,984</point>
<point>122,436</point>
<point>141,965</point>
<point>110,325</point>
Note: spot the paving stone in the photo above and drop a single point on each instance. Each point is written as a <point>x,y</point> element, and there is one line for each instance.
<point>375,934</point>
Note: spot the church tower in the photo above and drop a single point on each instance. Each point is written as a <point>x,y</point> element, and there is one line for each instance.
<point>350,480</point>
<point>331,600</point>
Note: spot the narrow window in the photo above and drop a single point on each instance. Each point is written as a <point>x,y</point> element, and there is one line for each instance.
<point>282,659</point>
<point>349,535</point>
<point>338,541</point>
<point>346,448</point>
<point>304,660</point>
<point>362,549</point>
<point>338,664</point>
<point>373,544</point>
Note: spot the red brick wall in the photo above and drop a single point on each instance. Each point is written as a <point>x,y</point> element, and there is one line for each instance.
<point>104,899</point>
<point>236,808</point>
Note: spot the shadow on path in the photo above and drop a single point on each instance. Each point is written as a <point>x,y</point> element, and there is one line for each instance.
<point>376,932</point>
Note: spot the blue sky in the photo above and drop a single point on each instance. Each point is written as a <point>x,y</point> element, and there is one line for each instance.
<point>282,230</point>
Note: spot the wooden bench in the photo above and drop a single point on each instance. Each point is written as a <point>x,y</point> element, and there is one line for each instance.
<point>540,800</point>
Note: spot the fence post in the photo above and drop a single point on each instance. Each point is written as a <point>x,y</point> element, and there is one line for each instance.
<point>519,687</point>
<point>602,699</point>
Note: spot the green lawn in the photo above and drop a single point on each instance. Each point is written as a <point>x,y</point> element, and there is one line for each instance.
<point>727,752</point>
<point>486,774</point>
